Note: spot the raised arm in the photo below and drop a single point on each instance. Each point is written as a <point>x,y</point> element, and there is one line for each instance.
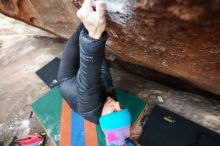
<point>92,41</point>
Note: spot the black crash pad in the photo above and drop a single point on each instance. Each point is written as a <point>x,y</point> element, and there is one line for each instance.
<point>49,72</point>
<point>165,128</point>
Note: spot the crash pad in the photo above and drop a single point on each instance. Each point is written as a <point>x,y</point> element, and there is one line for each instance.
<point>49,72</point>
<point>67,128</point>
<point>165,128</point>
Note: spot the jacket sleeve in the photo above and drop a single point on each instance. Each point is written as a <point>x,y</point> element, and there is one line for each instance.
<point>89,102</point>
<point>106,75</point>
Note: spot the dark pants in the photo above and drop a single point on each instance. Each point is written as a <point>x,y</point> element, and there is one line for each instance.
<point>84,75</point>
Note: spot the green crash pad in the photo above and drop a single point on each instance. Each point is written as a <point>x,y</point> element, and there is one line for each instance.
<point>48,110</point>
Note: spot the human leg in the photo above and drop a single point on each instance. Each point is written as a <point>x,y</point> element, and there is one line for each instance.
<point>68,69</point>
<point>88,80</point>
<point>69,64</point>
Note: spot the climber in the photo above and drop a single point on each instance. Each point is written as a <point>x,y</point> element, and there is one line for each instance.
<point>85,79</point>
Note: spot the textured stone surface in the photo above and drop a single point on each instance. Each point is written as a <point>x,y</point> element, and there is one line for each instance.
<point>54,16</point>
<point>24,50</point>
<point>179,38</point>
<point>201,110</point>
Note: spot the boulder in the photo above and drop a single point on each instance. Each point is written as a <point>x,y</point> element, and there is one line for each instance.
<point>178,38</point>
<point>54,16</point>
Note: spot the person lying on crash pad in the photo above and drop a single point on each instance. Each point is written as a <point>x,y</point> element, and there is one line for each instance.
<point>85,79</point>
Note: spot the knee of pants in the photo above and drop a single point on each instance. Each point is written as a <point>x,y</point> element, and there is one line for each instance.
<point>68,92</point>
<point>68,88</point>
<point>92,116</point>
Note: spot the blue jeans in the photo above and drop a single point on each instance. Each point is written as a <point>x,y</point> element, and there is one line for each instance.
<point>84,74</point>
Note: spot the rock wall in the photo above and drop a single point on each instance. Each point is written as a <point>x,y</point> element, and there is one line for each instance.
<point>54,16</point>
<point>180,38</point>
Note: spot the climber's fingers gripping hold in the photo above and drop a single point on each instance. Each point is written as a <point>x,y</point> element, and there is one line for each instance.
<point>94,21</point>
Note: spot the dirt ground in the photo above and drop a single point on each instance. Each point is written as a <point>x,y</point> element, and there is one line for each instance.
<point>24,50</point>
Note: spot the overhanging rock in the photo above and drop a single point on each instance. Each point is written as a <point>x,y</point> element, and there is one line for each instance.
<point>54,16</point>
<point>180,38</point>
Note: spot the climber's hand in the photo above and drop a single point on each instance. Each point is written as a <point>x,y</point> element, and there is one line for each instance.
<point>94,21</point>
